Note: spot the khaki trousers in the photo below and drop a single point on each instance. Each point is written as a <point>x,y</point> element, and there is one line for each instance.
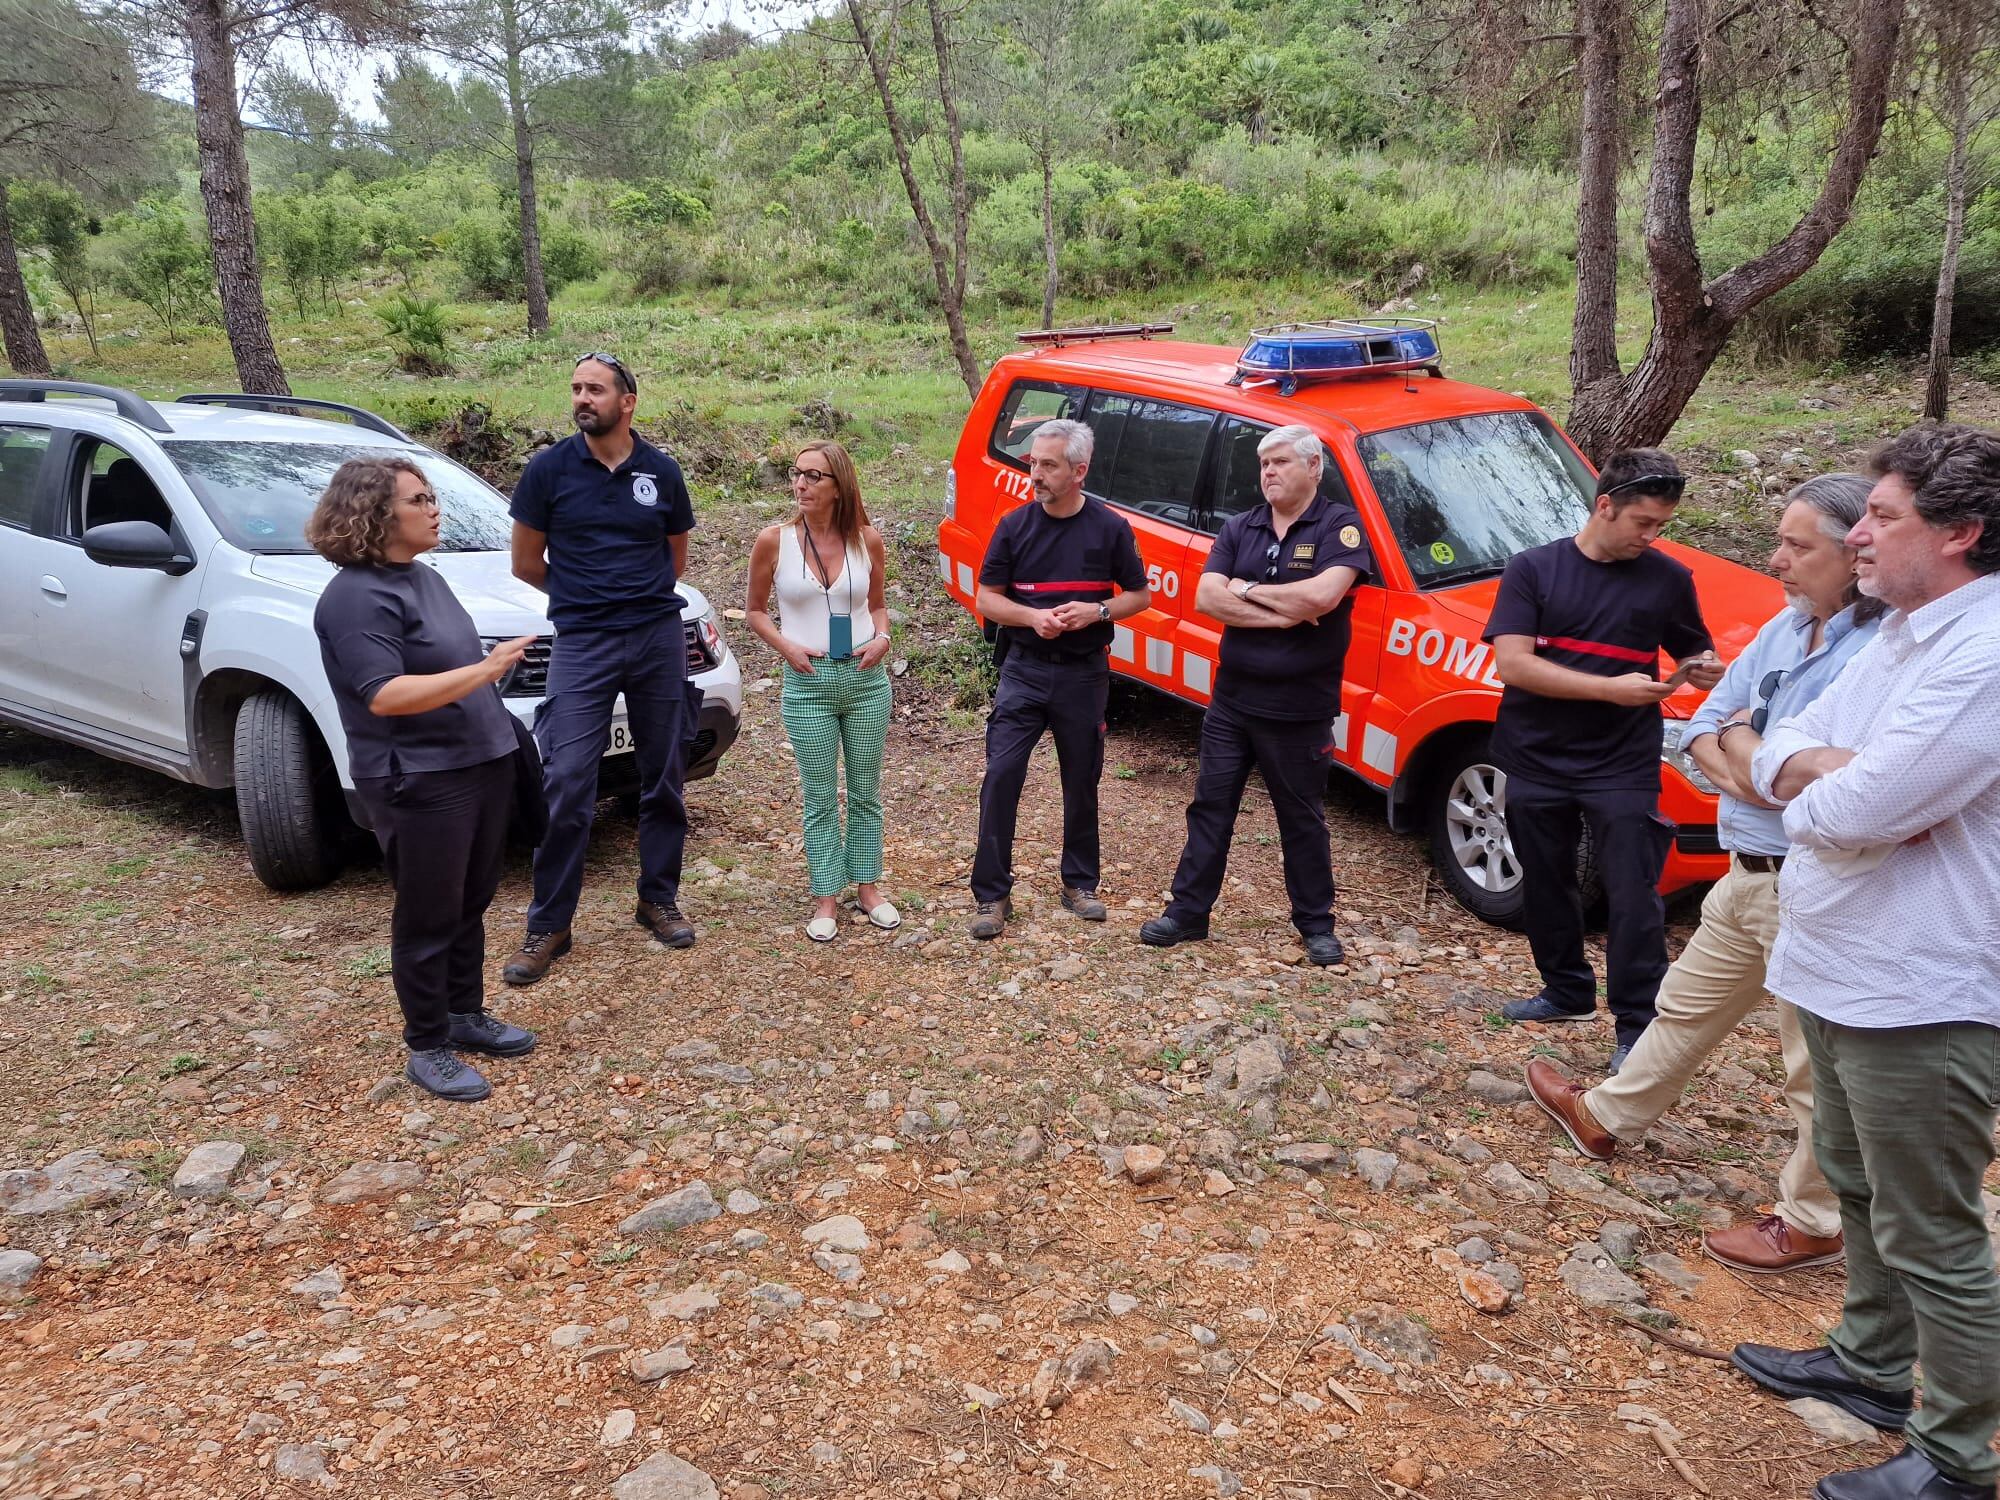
<point>1716,982</point>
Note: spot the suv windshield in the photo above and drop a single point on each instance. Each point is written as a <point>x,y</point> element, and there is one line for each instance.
<point>259,494</point>
<point>1465,495</point>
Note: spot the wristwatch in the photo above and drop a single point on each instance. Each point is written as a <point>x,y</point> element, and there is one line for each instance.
<point>1243,587</point>
<point>1104,613</point>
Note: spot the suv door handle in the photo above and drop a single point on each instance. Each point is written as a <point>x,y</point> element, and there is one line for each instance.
<point>52,586</point>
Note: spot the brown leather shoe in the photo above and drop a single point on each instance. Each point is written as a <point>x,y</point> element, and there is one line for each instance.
<point>1084,903</point>
<point>666,924</point>
<point>1769,1245</point>
<point>990,920</point>
<point>538,951</point>
<point>1562,1101</point>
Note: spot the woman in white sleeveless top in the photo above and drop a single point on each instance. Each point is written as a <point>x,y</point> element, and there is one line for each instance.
<point>825,564</point>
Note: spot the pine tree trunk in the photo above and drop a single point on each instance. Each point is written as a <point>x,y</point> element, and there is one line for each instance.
<point>1937,381</point>
<point>524,178</point>
<point>225,194</point>
<point>1049,271</point>
<point>1593,355</point>
<point>25,354</point>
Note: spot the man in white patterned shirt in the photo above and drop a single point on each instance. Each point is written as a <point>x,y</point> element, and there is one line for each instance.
<point>1887,945</point>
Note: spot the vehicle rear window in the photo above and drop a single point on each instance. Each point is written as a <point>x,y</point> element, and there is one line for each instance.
<point>1022,414</point>
<point>1462,496</point>
<point>259,494</point>
<point>1148,454</point>
<point>1238,485</point>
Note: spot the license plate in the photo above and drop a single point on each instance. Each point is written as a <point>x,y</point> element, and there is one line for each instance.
<point>621,739</point>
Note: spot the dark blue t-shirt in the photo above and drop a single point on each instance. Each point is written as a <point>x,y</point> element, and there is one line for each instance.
<point>1604,618</point>
<point>1292,673</point>
<point>611,565</point>
<point>1044,561</point>
<point>391,620</point>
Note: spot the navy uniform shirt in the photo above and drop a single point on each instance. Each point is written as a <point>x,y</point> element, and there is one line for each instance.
<point>391,620</point>
<point>1044,561</point>
<point>1604,618</point>
<point>1292,673</point>
<point>611,566</point>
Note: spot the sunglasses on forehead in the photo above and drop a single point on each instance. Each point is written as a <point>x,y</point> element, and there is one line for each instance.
<point>1666,485</point>
<point>615,364</point>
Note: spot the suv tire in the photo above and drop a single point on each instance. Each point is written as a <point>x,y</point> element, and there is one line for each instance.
<point>1470,848</point>
<point>283,794</point>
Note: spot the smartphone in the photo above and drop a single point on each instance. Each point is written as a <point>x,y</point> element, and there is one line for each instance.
<point>1680,672</point>
<point>839,637</point>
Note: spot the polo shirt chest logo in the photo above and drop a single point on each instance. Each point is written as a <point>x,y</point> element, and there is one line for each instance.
<point>1302,552</point>
<point>645,489</point>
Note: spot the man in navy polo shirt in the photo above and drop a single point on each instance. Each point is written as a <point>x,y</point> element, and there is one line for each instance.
<point>1278,578</point>
<point>601,522</point>
<point>1577,630</point>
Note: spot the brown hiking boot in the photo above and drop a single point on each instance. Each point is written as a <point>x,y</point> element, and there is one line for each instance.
<point>991,918</point>
<point>538,951</point>
<point>666,924</point>
<point>1084,903</point>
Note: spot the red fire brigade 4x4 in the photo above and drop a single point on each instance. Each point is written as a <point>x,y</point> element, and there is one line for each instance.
<point>1451,480</point>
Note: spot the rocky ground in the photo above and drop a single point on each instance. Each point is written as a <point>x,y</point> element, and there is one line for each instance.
<point>901,1216</point>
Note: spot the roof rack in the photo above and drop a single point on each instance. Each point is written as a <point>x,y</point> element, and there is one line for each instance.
<point>360,415</point>
<point>127,405</point>
<point>1291,354</point>
<point>1055,338</point>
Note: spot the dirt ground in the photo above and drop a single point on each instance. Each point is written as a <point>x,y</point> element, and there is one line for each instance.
<point>1105,1221</point>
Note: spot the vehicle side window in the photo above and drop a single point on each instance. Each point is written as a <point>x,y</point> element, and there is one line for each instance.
<point>1237,485</point>
<point>22,450</point>
<point>1021,416</point>
<point>110,486</point>
<point>1148,454</point>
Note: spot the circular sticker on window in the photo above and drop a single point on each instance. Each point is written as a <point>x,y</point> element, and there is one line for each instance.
<point>1441,553</point>
<point>1350,536</point>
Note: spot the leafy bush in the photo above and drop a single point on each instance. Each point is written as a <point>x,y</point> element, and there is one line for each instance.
<point>417,333</point>
<point>154,256</point>
<point>486,246</point>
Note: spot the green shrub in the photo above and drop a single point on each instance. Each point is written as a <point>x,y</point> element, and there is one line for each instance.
<point>417,333</point>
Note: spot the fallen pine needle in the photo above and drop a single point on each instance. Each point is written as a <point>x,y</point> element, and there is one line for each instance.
<point>572,1203</point>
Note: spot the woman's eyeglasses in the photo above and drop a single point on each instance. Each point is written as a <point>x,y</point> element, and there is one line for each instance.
<point>810,476</point>
<point>424,499</point>
<point>1767,690</point>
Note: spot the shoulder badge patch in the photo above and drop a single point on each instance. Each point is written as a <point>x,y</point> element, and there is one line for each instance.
<point>645,490</point>
<point>1350,536</point>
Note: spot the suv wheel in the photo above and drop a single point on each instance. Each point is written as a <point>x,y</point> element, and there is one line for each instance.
<point>287,797</point>
<point>1470,847</point>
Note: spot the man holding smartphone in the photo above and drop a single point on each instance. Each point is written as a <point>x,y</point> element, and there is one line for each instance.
<point>1577,630</point>
<point>1056,575</point>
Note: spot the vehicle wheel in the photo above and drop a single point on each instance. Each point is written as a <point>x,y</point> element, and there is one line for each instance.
<point>1470,846</point>
<point>287,796</point>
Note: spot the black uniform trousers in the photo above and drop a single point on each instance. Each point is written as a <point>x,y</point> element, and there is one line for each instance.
<point>1293,757</point>
<point>1631,842</point>
<point>588,669</point>
<point>444,837</point>
<point>1066,697</point>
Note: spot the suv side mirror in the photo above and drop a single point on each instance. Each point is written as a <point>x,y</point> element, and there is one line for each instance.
<point>135,544</point>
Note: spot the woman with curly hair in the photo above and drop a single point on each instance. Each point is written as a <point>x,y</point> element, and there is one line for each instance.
<point>432,750</point>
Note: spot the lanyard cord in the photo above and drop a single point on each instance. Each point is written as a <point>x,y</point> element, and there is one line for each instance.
<point>818,569</point>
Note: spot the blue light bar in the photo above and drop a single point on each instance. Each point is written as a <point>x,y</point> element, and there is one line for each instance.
<point>1292,354</point>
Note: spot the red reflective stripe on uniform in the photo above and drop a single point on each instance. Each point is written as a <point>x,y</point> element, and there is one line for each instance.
<point>1596,648</point>
<point>1081,586</point>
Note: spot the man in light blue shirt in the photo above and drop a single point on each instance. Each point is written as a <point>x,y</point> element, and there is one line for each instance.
<point>1719,978</point>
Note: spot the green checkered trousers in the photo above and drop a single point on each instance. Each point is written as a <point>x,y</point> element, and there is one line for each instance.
<point>837,710</point>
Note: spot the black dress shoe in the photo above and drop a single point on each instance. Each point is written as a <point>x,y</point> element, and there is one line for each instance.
<point>1163,932</point>
<point>1323,948</point>
<point>1907,1476</point>
<point>1818,1373</point>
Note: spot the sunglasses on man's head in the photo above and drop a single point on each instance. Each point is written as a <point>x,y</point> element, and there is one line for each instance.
<point>1667,486</point>
<point>615,364</point>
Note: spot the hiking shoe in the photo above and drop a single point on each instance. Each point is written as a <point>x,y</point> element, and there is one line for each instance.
<point>1542,1008</point>
<point>1084,903</point>
<point>1163,932</point>
<point>666,924</point>
<point>991,918</point>
<point>1620,1055</point>
<point>1323,948</point>
<point>440,1071</point>
<point>480,1032</point>
<point>538,950</point>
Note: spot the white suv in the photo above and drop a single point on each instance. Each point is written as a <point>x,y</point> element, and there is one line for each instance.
<point>157,595</point>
